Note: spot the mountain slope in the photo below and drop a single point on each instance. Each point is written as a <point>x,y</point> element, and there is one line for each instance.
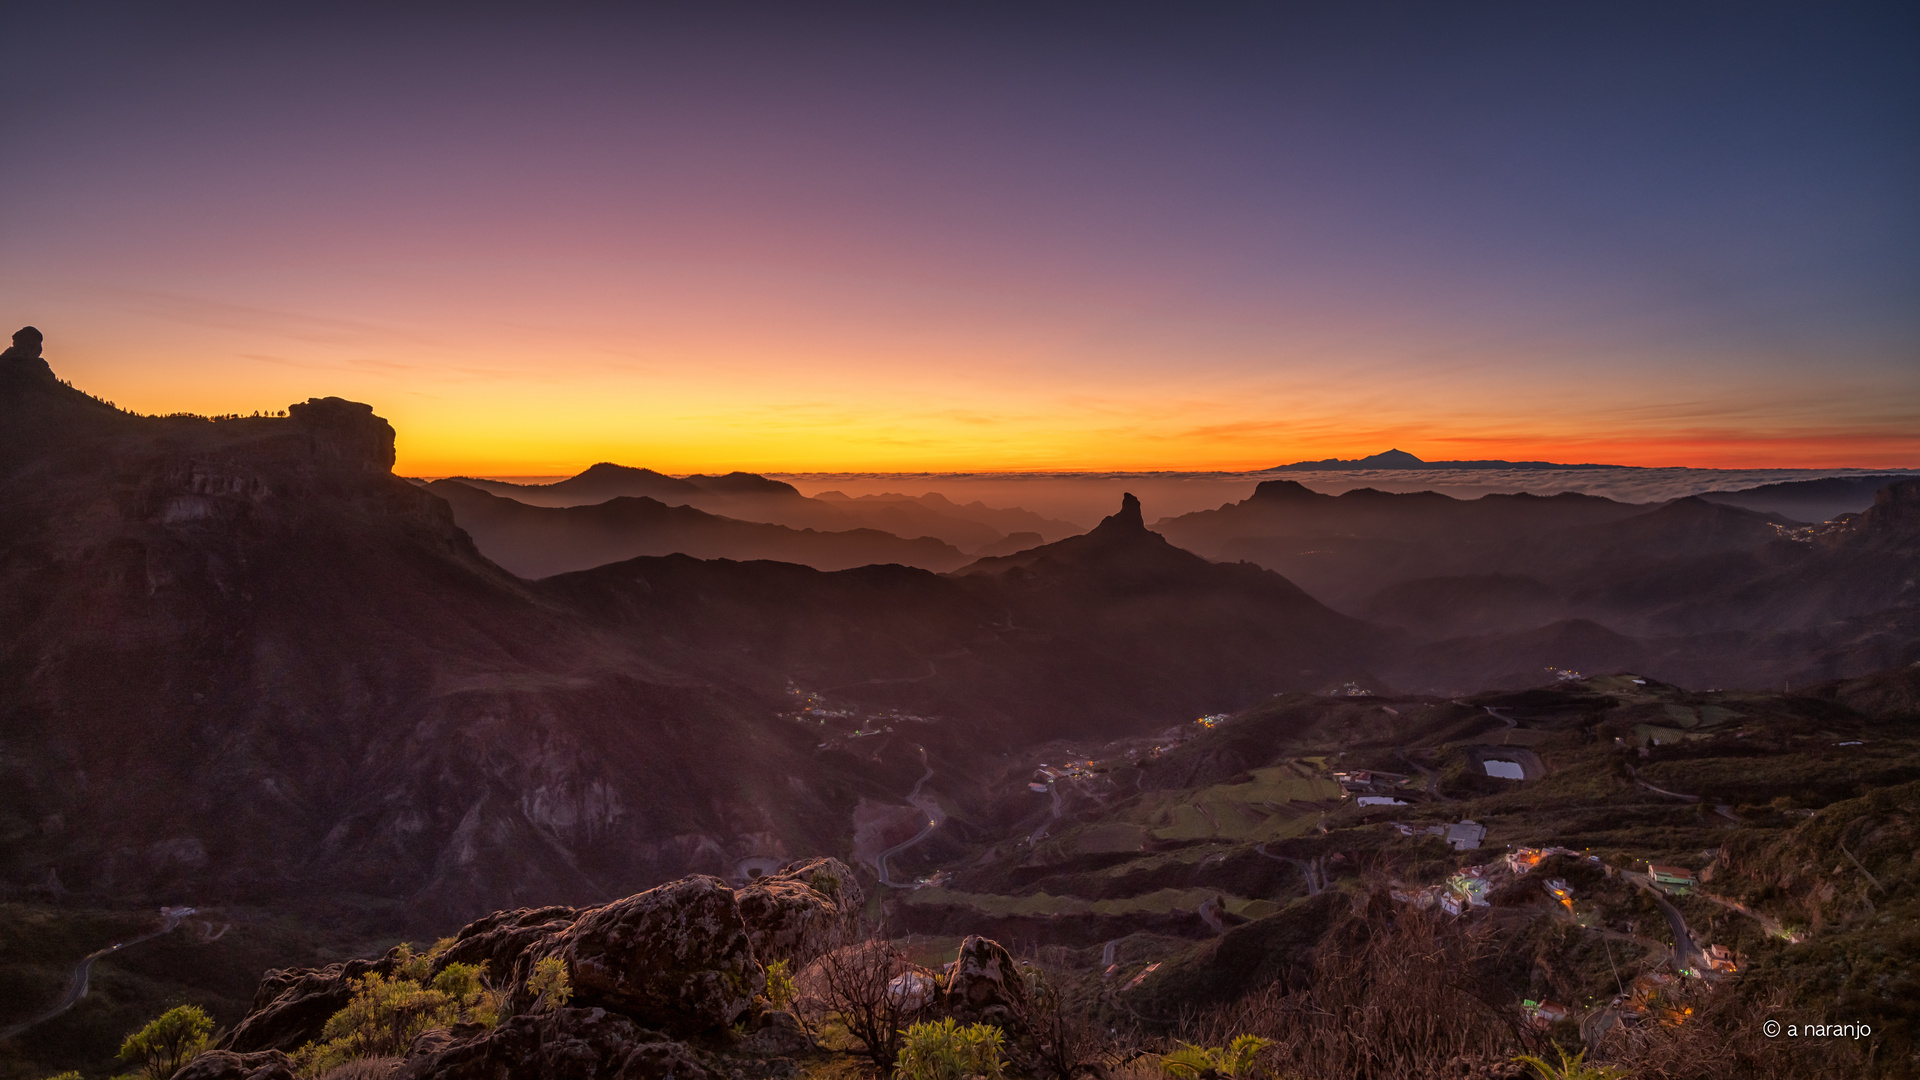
<point>1113,630</point>
<point>750,497</point>
<point>240,660</point>
<point>1808,500</point>
<point>538,541</point>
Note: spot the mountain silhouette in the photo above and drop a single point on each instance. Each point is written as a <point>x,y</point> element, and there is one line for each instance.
<point>539,541</point>
<point>1400,459</point>
<point>321,688</point>
<point>751,497</point>
<point>1809,500</point>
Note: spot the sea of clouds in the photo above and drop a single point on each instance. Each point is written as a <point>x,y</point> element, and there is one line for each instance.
<point>1085,497</point>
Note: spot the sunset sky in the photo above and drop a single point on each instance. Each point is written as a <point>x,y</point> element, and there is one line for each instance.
<point>808,237</point>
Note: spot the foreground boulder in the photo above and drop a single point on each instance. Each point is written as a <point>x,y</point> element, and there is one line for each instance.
<point>565,1044</point>
<point>984,986</point>
<point>801,912</point>
<point>681,961</point>
<point>292,1005</point>
<point>678,957</point>
<point>227,1065</point>
<point>502,942</point>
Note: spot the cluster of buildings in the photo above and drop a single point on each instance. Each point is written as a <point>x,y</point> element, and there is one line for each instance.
<point>1044,776</point>
<point>1463,835</point>
<point>1371,787</point>
<point>1650,998</point>
<point>1469,887</point>
<point>1174,736</point>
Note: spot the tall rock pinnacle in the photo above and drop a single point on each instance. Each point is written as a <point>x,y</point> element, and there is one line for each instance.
<point>1126,520</point>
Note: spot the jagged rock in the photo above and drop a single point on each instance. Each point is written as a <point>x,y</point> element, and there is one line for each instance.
<point>502,939</point>
<point>983,985</point>
<point>348,430</point>
<point>676,957</point>
<point>801,912</point>
<point>227,1065</point>
<point>24,354</point>
<point>26,345</point>
<point>1127,518</point>
<point>293,1004</point>
<point>779,1035</point>
<point>566,1044</point>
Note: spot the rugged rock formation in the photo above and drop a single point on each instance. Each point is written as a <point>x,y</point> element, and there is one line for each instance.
<point>579,1044</point>
<point>292,1006</point>
<point>24,353</point>
<point>677,957</point>
<point>499,941</point>
<point>802,911</point>
<point>227,1065</point>
<point>658,978</point>
<point>983,986</point>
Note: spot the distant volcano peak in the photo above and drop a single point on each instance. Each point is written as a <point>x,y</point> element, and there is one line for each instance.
<point>1400,459</point>
<point>1394,459</point>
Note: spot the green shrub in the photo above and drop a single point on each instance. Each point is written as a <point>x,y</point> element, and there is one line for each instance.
<point>780,988</point>
<point>1571,1068</point>
<point>68,1075</point>
<point>826,882</point>
<point>549,985</point>
<point>947,1051</point>
<point>1234,1059</point>
<point>386,1014</point>
<point>174,1038</point>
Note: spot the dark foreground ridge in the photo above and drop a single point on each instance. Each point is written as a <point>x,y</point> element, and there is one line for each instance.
<point>672,982</point>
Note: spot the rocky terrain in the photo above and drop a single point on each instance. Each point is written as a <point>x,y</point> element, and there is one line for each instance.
<point>319,686</point>
<point>1228,857</point>
<point>246,669</point>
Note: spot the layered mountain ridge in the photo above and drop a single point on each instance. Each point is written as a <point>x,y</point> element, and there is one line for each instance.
<point>242,659</point>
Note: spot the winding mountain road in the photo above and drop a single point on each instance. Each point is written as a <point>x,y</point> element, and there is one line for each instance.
<point>934,817</point>
<point>1684,948</point>
<point>1432,778</point>
<point>1315,870</point>
<point>1053,789</point>
<point>77,985</point>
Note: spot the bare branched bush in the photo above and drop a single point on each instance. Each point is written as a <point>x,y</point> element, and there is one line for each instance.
<point>867,985</point>
<point>1067,1040</point>
<point>1393,992</point>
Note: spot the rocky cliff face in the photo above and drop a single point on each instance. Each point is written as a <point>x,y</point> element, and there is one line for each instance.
<point>240,659</point>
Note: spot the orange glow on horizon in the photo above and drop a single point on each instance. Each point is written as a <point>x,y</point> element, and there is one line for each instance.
<point>499,416</point>
<point>802,387</point>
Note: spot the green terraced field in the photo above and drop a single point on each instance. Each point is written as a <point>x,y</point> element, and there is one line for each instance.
<point>1277,803</point>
